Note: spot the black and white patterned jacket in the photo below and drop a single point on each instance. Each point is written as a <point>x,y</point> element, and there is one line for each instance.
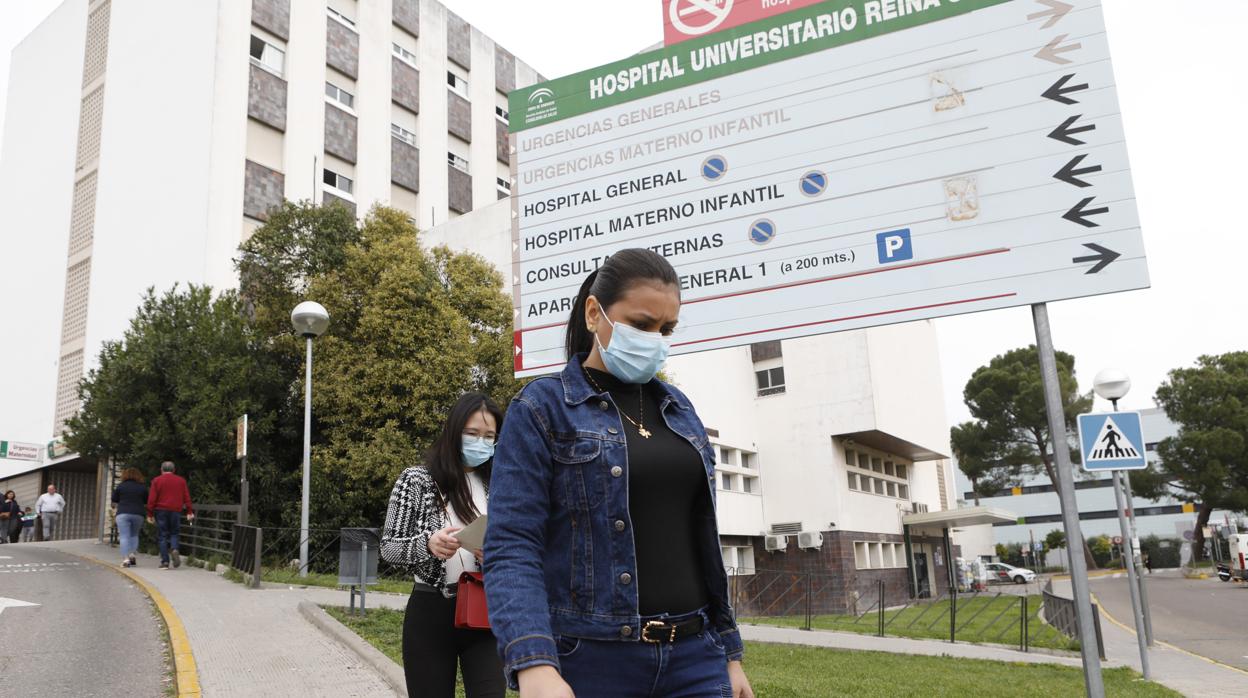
<point>415,513</point>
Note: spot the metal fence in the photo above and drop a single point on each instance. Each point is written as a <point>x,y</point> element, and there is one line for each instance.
<point>275,552</point>
<point>211,535</point>
<point>1009,615</point>
<point>1059,612</point>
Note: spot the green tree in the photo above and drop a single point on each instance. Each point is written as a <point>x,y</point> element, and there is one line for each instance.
<point>1207,462</point>
<point>298,243</point>
<point>172,387</point>
<point>1055,539</point>
<point>413,329</point>
<point>1011,425</point>
<point>989,466</point>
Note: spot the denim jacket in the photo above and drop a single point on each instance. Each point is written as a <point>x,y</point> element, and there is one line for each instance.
<point>553,558</point>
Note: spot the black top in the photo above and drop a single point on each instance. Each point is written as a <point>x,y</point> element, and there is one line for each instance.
<point>131,498</point>
<point>667,492</point>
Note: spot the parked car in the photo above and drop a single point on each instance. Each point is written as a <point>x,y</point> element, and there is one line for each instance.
<point>1004,574</point>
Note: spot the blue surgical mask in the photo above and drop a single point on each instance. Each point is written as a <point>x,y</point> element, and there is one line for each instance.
<point>633,356</point>
<point>476,450</point>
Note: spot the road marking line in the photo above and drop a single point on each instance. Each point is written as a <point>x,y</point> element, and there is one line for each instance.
<point>1167,645</point>
<point>179,645</point>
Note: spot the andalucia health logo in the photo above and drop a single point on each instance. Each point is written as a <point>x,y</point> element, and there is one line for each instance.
<point>542,106</point>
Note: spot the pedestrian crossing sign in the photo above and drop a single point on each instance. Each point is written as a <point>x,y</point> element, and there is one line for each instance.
<point>1112,441</point>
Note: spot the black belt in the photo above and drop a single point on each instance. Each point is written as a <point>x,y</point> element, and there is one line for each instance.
<point>658,631</point>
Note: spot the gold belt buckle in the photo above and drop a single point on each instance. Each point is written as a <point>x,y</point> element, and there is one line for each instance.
<point>645,632</point>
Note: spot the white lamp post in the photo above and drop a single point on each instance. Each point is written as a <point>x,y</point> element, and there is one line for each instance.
<point>310,320</point>
<point>1112,384</point>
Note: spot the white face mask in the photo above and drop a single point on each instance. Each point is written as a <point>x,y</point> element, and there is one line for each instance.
<point>633,356</point>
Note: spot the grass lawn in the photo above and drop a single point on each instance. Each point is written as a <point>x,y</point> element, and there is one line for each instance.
<point>984,619</point>
<point>790,671</point>
<point>320,579</point>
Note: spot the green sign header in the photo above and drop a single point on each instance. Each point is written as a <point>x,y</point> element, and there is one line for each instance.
<point>788,35</point>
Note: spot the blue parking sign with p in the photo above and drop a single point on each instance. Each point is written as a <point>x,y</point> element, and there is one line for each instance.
<point>1112,441</point>
<point>894,246</point>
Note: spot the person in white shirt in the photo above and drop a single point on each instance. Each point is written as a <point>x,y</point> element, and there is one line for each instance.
<point>48,508</point>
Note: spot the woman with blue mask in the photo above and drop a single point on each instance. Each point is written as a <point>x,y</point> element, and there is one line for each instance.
<point>428,505</point>
<point>603,570</point>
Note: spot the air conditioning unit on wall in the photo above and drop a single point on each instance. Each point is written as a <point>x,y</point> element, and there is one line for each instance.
<point>776,544</point>
<point>810,540</point>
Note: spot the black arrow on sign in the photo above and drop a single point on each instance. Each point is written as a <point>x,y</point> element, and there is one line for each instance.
<point>1070,175</point>
<point>1079,214</point>
<point>1065,132</point>
<point>1058,90</point>
<point>1103,257</point>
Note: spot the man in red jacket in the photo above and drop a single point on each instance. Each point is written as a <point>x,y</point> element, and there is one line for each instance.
<point>166,500</point>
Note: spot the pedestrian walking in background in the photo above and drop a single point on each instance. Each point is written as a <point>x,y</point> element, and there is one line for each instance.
<point>48,508</point>
<point>129,502</point>
<point>602,563</point>
<point>28,525</point>
<point>167,498</point>
<point>10,518</point>
<point>428,505</point>
<point>1148,563</point>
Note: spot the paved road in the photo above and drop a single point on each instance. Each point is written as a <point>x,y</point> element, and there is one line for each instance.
<point>1204,616</point>
<point>94,633</point>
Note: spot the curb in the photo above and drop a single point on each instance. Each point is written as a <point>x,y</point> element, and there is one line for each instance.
<point>185,672</point>
<point>1161,643</point>
<point>391,672</point>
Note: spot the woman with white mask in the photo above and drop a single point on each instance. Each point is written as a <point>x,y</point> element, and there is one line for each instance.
<point>429,505</point>
<point>603,568</point>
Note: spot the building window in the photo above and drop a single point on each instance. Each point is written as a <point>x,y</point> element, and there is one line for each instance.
<point>339,95</point>
<point>725,481</point>
<point>879,556</point>
<point>504,186</point>
<point>770,381</point>
<point>738,559</point>
<point>502,115</point>
<point>337,181</point>
<point>457,84</point>
<point>403,134</point>
<point>268,56</point>
<point>335,14</point>
<point>405,55</point>
<point>876,473</point>
<point>457,162</point>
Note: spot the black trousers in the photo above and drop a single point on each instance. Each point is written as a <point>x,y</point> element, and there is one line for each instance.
<point>433,646</point>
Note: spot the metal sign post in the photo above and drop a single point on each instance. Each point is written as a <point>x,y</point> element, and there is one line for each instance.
<point>1092,680</point>
<point>1136,562</point>
<point>241,454</point>
<point>1127,540</point>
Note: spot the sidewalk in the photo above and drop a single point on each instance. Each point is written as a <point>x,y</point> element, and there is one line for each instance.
<point>1187,673</point>
<point>251,643</point>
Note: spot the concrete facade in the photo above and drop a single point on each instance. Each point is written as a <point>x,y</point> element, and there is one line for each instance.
<point>221,133</point>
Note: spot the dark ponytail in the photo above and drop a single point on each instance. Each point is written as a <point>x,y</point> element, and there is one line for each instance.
<point>607,283</point>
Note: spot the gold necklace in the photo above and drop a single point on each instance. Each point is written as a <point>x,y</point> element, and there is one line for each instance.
<point>641,408</point>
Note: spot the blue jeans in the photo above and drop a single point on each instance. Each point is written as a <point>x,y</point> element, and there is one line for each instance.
<point>128,526</point>
<point>692,667</point>
<point>167,525</point>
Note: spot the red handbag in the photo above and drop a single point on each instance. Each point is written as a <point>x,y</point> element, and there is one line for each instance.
<point>470,610</point>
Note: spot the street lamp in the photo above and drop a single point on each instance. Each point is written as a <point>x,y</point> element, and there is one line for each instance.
<point>310,320</point>
<point>1113,384</point>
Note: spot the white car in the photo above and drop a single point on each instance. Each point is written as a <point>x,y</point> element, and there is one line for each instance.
<point>1004,574</point>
